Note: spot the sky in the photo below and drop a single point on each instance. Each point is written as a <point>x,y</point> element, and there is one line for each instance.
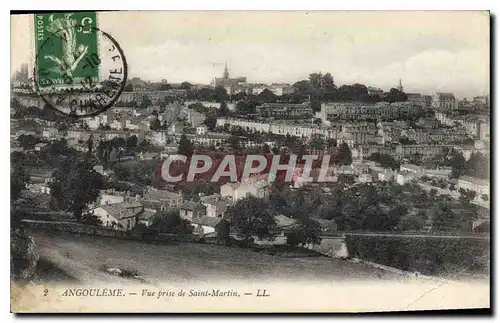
<point>429,50</point>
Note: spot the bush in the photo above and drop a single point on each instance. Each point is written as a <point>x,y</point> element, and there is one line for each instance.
<point>428,256</point>
<point>90,219</point>
<point>23,255</point>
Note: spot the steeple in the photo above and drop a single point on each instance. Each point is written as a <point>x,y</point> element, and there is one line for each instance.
<point>400,86</point>
<point>226,72</point>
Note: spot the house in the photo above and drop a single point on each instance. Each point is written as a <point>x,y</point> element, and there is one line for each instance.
<point>215,206</point>
<point>176,127</point>
<point>205,225</point>
<point>190,210</point>
<point>50,133</point>
<point>112,197</point>
<point>441,172</point>
<point>148,155</point>
<point>411,168</point>
<point>251,187</point>
<point>167,198</point>
<point>360,167</point>
<point>201,129</point>
<point>365,178</point>
<point>16,149</point>
<point>147,217</point>
<point>283,222</point>
<point>40,146</point>
<point>405,177</point>
<point>170,148</point>
<point>386,176</point>
<point>119,216</point>
<point>326,225</point>
<point>345,169</point>
<point>100,169</point>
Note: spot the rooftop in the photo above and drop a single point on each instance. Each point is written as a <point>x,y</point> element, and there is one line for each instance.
<point>207,221</point>
<point>122,210</point>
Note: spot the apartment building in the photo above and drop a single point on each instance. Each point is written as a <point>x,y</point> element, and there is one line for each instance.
<point>285,110</point>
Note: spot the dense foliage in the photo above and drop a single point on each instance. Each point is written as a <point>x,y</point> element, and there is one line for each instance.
<point>433,256</point>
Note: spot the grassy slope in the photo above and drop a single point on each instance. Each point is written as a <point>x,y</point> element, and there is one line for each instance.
<point>81,256</point>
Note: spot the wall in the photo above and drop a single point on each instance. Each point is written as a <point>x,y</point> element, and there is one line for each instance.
<point>101,231</point>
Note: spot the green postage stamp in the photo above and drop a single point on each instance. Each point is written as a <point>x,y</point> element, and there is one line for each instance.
<point>66,49</point>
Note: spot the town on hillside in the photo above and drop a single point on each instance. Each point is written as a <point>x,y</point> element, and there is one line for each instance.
<point>401,179</point>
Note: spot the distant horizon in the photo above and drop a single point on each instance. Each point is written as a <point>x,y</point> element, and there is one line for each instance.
<point>445,51</point>
<point>291,83</point>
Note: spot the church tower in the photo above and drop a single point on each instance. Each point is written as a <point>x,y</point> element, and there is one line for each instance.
<point>400,86</point>
<point>226,72</point>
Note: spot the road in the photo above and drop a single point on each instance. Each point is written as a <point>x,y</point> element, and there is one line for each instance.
<point>407,235</point>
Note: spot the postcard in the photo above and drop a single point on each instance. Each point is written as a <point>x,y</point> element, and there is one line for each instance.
<point>250,161</point>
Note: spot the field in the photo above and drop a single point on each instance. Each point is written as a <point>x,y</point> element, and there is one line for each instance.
<point>83,257</point>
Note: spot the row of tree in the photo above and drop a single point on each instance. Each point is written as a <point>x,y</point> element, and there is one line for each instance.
<point>321,88</point>
<point>478,164</point>
<point>253,217</point>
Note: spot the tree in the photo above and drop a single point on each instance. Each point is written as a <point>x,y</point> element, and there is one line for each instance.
<point>301,87</point>
<point>155,124</point>
<point>171,222</point>
<point>412,222</point>
<point>385,160</point>
<point>457,164</point>
<point>468,194</point>
<point>305,231</point>
<point>185,147</point>
<point>90,144</point>
<point>220,94</point>
<point>238,96</point>
<point>234,141</point>
<point>211,121</point>
<point>164,87</point>
<point>266,149</point>
<point>394,95</point>
<point>75,185</point>
<point>27,141</point>
<point>90,219</point>
<point>484,197</point>
<point>185,86</point>
<point>477,166</point>
<point>331,143</point>
<point>266,96</point>
<point>344,155</point>
<point>354,92</point>
<point>223,110</point>
<point>128,88</point>
<point>245,108</point>
<point>250,217</point>
<point>146,102</point>
<point>122,173</point>
<point>132,141</point>
<point>318,143</point>
<point>18,179</point>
